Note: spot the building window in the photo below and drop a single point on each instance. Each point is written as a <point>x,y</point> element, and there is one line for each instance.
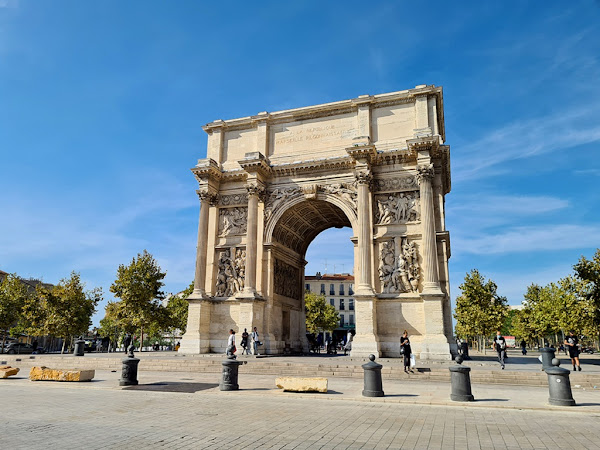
<point>342,289</point>
<point>332,301</point>
<point>331,289</point>
<point>350,290</point>
<point>351,319</point>
<point>307,287</point>
<point>322,289</point>
<point>351,304</point>
<point>341,320</point>
<point>341,304</point>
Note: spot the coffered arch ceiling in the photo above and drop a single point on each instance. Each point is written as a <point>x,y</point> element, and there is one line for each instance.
<point>300,224</point>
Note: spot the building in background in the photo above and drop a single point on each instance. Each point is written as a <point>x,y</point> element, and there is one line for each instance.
<point>338,289</point>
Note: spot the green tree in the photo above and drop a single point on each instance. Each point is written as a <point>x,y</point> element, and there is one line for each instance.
<point>109,325</point>
<point>13,295</point>
<point>522,325</point>
<point>138,286</point>
<point>63,311</point>
<point>479,309</point>
<point>320,315</point>
<point>178,308</point>
<point>588,273</point>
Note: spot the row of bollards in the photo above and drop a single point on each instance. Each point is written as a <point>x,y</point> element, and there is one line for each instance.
<point>558,382</point>
<point>558,379</point>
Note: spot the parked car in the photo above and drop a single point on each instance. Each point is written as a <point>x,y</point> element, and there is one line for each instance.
<point>17,348</point>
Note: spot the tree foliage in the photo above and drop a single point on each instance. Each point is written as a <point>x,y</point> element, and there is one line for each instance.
<point>138,286</point>
<point>178,308</point>
<point>13,296</point>
<point>587,273</point>
<point>320,315</point>
<point>62,311</point>
<point>479,309</point>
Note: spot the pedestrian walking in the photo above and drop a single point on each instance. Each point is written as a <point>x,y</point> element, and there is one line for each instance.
<point>244,342</point>
<point>405,351</point>
<point>572,344</point>
<point>500,346</point>
<point>349,339</point>
<point>523,347</point>
<point>255,341</point>
<point>231,343</point>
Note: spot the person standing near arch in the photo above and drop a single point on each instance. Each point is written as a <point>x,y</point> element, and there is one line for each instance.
<point>255,341</point>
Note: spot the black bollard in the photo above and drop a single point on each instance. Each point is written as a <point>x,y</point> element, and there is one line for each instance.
<point>461,382</point>
<point>373,385</point>
<point>547,357</point>
<point>79,347</point>
<point>229,381</point>
<point>559,385</point>
<point>129,370</point>
<point>465,351</point>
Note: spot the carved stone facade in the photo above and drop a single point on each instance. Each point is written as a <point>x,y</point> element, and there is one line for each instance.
<point>272,182</point>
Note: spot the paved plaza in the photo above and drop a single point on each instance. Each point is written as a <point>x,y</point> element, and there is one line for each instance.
<point>183,410</point>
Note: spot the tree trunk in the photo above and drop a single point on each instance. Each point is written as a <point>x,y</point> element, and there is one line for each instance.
<point>3,342</point>
<point>62,350</point>
<point>141,337</point>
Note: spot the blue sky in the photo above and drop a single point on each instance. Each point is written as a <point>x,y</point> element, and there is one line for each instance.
<point>102,103</point>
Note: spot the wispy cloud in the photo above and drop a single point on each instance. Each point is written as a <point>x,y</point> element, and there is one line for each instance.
<point>529,239</point>
<point>527,138</point>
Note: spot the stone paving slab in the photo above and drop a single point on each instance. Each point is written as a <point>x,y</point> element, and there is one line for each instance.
<point>100,415</point>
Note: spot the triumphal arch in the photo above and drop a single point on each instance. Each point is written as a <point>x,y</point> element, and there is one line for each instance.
<point>272,182</point>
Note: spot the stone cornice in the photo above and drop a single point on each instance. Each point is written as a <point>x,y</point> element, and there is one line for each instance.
<point>363,153</point>
<point>334,108</point>
<point>206,169</point>
<point>256,163</point>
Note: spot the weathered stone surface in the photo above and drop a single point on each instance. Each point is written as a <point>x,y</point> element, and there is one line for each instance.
<point>7,371</point>
<point>302,384</point>
<point>46,374</point>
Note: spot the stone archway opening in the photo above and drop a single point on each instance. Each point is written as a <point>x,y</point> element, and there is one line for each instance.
<point>294,231</point>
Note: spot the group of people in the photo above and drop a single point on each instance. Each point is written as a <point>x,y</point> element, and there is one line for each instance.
<point>231,348</point>
<point>571,344</point>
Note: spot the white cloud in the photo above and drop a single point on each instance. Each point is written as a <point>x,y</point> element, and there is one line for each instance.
<point>529,239</point>
<point>527,138</point>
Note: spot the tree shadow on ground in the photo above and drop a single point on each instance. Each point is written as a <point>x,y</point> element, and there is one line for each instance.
<point>169,386</point>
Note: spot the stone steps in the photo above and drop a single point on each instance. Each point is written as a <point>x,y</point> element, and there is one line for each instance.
<point>281,368</point>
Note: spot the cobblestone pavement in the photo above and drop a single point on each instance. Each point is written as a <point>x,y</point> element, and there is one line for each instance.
<point>46,415</point>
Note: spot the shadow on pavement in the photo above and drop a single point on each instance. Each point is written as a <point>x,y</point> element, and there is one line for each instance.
<point>491,399</point>
<point>401,395</point>
<point>169,386</point>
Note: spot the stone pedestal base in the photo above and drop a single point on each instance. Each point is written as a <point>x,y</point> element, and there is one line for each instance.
<point>364,345</point>
<point>435,348</point>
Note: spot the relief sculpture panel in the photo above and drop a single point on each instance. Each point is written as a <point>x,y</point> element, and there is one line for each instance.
<point>287,280</point>
<point>233,221</point>
<point>400,273</point>
<point>231,274</point>
<point>397,207</point>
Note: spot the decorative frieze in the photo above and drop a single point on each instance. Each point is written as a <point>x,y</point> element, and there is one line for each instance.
<point>277,196</point>
<point>397,207</point>
<point>407,183</point>
<point>231,273</point>
<point>346,191</point>
<point>400,273</point>
<point>233,221</point>
<point>233,199</point>
<point>286,280</point>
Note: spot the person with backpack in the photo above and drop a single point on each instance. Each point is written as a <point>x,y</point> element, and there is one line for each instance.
<point>500,346</point>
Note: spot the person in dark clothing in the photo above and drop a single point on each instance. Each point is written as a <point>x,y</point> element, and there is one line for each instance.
<point>405,350</point>
<point>500,346</point>
<point>127,342</point>
<point>572,344</point>
<point>523,347</point>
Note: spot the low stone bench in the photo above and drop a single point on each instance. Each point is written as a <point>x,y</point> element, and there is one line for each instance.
<point>302,384</point>
<point>46,374</point>
<point>7,371</point>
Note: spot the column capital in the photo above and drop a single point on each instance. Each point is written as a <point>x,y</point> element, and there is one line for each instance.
<point>207,195</point>
<point>425,172</point>
<point>256,188</point>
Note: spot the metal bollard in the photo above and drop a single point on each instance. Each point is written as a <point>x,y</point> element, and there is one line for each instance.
<point>464,347</point>
<point>79,347</point>
<point>229,381</point>
<point>130,369</point>
<point>461,382</point>
<point>559,385</point>
<point>373,385</point>
<point>547,354</point>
